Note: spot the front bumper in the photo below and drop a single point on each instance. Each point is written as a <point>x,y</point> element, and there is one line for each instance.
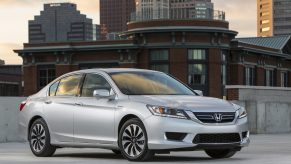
<point>157,127</point>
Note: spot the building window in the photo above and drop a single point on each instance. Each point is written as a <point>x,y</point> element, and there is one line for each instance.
<point>7,89</point>
<point>223,67</point>
<point>196,54</point>
<point>197,69</point>
<point>250,76</point>
<point>46,74</point>
<point>265,29</point>
<point>284,79</point>
<point>270,78</point>
<point>197,74</point>
<point>224,55</point>
<point>159,60</point>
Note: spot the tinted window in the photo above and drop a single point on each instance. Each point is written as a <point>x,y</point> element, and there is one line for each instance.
<point>53,88</point>
<point>93,82</point>
<point>159,55</point>
<point>197,74</point>
<point>196,54</point>
<point>149,83</point>
<point>69,86</point>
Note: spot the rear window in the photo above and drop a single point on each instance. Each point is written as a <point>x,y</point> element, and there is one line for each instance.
<point>69,86</point>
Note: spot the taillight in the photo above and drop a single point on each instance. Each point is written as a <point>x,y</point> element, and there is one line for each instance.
<point>22,105</point>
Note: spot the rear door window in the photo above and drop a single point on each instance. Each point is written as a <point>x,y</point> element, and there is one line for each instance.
<point>69,86</point>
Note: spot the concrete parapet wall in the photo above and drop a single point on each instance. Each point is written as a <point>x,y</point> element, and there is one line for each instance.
<point>269,111</point>
<point>269,108</point>
<point>9,108</point>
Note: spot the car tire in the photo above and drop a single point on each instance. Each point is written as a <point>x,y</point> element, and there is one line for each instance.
<point>39,139</point>
<point>133,141</point>
<point>117,152</point>
<point>218,153</point>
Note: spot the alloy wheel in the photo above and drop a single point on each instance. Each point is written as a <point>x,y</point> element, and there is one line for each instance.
<point>38,138</point>
<point>133,140</point>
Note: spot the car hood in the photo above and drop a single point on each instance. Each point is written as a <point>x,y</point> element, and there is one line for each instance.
<point>193,103</point>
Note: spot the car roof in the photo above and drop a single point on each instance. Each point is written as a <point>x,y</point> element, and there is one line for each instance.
<point>112,70</point>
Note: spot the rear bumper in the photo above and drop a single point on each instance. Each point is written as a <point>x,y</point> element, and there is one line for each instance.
<point>157,127</point>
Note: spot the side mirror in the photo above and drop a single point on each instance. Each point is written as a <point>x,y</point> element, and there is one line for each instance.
<point>104,94</point>
<point>200,93</point>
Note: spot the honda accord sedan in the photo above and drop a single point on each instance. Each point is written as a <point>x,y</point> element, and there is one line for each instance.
<point>133,112</point>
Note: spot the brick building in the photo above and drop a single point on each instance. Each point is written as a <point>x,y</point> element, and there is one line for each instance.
<point>10,80</point>
<point>202,53</point>
<point>259,61</point>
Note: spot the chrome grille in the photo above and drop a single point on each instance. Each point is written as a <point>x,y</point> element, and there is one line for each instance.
<point>215,117</point>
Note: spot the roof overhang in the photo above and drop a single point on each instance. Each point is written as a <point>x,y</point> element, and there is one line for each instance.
<point>263,52</point>
<point>179,29</point>
<point>75,48</point>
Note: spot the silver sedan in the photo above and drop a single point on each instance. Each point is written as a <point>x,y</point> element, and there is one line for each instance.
<point>133,112</point>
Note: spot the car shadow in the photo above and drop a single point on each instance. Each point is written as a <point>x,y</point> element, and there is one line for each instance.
<point>90,155</point>
<point>157,158</point>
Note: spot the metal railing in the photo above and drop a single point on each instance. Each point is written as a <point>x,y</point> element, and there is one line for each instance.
<point>178,14</point>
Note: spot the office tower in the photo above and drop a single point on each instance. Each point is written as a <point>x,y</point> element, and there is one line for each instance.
<point>2,62</point>
<point>114,14</point>
<point>187,9</point>
<point>60,22</point>
<point>152,9</point>
<point>274,17</point>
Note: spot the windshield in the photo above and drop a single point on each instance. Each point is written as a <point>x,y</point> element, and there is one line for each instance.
<point>149,83</point>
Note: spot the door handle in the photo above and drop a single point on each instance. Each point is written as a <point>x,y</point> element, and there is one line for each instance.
<point>79,104</point>
<point>48,102</point>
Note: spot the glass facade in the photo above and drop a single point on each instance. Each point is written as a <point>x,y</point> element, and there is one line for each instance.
<point>282,17</point>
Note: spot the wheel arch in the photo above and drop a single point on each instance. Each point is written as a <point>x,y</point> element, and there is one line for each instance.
<point>31,121</point>
<point>124,119</point>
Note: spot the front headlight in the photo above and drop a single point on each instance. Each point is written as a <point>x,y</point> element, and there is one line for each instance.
<point>242,112</point>
<point>167,112</point>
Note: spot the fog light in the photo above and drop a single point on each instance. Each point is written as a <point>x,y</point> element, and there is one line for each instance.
<point>175,136</point>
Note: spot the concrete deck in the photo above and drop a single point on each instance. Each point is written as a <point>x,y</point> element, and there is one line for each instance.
<point>267,149</point>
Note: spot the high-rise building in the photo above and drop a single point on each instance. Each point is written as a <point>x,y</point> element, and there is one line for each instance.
<point>60,22</point>
<point>274,17</point>
<point>114,14</point>
<point>2,62</point>
<point>152,9</point>
<point>97,32</point>
<point>188,9</point>
<point>175,9</point>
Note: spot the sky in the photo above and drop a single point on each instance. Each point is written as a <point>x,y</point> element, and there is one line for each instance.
<point>14,15</point>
